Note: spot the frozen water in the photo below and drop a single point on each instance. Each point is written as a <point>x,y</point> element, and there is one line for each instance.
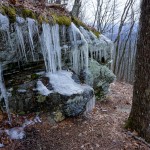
<point>20,20</point>
<point>90,105</point>
<point>27,123</point>
<point>64,84</point>
<point>37,119</point>
<point>79,49</point>
<point>16,133</point>
<point>4,94</point>
<point>50,43</point>
<point>32,28</point>
<point>21,43</point>
<point>4,22</point>
<point>43,89</point>
<point>1,145</point>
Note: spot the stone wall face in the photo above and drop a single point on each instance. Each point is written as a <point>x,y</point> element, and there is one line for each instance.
<point>52,67</point>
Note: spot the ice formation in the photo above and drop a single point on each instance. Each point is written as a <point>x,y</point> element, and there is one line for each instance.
<point>4,22</point>
<point>21,43</point>
<point>90,105</point>
<point>50,45</point>
<point>63,83</point>
<point>79,49</point>
<point>1,145</point>
<point>16,133</point>
<point>76,42</point>
<point>43,89</point>
<point>31,29</point>
<point>4,94</point>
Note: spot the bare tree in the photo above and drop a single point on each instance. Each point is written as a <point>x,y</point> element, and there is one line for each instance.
<point>124,17</point>
<point>76,8</point>
<point>105,15</point>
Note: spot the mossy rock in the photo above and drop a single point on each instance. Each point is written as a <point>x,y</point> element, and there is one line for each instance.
<point>28,13</point>
<point>10,12</point>
<point>78,23</point>
<point>42,19</point>
<point>61,20</point>
<point>58,116</point>
<point>41,98</point>
<point>35,76</point>
<point>2,11</point>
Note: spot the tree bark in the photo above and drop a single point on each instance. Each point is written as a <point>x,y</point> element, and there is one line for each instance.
<point>139,119</point>
<point>76,8</point>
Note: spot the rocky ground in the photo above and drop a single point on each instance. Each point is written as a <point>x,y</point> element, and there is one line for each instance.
<point>103,129</point>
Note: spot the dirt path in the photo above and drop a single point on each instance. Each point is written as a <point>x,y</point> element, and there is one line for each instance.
<point>100,130</point>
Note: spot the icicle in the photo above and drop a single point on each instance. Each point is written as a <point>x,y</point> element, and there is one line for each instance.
<point>20,43</point>
<point>51,49</point>
<point>4,94</point>
<point>47,48</point>
<point>4,23</point>
<point>31,29</point>
<point>79,49</point>
<point>90,105</point>
<point>56,43</point>
<point>4,26</point>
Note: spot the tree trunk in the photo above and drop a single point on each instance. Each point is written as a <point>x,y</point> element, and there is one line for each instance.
<point>76,8</point>
<point>139,119</point>
<point>58,1</point>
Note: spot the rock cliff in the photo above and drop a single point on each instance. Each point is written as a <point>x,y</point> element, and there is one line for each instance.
<point>51,62</point>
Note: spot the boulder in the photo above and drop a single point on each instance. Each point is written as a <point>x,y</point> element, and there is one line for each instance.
<point>56,93</point>
<point>101,76</point>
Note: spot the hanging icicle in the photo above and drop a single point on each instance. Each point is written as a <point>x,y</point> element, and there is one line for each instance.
<point>4,94</point>
<point>79,49</point>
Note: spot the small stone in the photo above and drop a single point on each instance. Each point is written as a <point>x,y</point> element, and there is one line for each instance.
<point>58,116</point>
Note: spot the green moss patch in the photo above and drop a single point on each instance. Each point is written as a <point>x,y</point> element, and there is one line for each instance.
<point>42,19</point>
<point>97,33</point>
<point>35,76</point>
<point>128,124</point>
<point>10,12</point>
<point>78,23</point>
<point>2,11</point>
<point>61,20</point>
<point>28,13</point>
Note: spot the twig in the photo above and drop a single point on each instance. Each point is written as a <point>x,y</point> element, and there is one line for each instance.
<point>138,138</point>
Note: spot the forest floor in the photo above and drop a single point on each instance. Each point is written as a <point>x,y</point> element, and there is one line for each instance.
<point>103,129</point>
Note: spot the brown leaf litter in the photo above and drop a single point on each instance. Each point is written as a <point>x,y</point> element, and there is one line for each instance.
<point>103,129</point>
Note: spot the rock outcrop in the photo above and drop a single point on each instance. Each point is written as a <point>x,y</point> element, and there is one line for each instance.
<point>52,66</point>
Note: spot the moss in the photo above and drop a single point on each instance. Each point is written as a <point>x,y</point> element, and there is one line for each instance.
<point>41,98</point>
<point>21,113</point>
<point>128,124</point>
<point>42,19</point>
<point>61,20</point>
<point>78,23</point>
<point>2,11</point>
<point>28,13</point>
<point>35,76</point>
<point>97,33</point>
<point>10,12</point>
<point>58,116</point>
